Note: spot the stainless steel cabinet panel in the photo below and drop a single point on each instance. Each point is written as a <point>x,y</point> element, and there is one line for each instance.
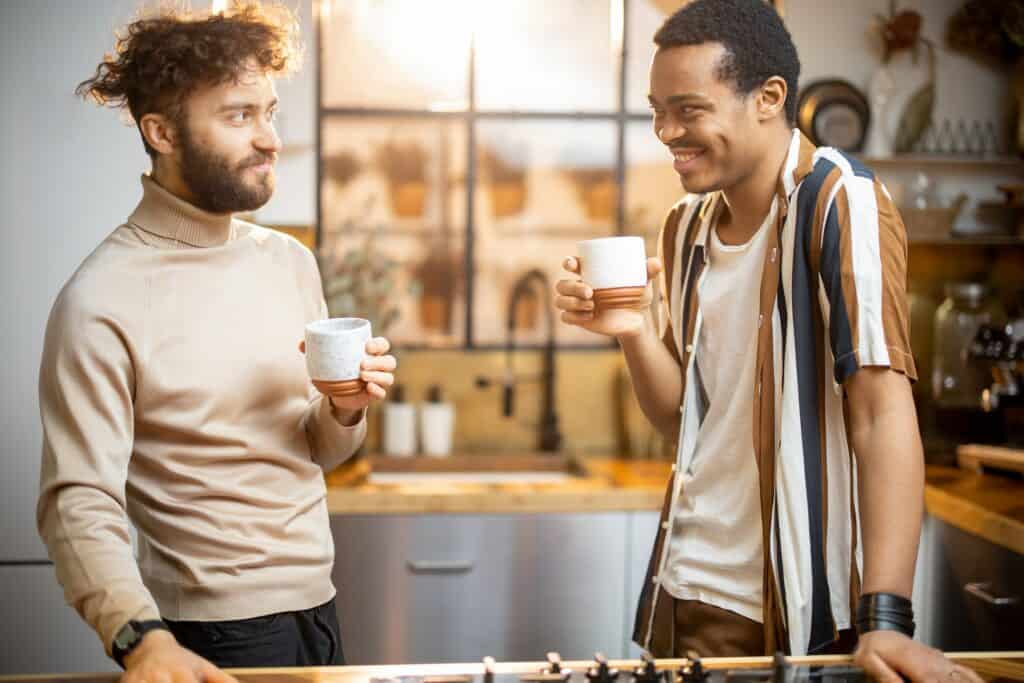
<point>447,588</point>
<point>973,598</point>
<point>39,632</point>
<point>643,529</point>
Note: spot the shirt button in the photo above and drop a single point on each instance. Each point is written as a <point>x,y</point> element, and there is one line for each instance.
<point>664,526</point>
<point>689,348</point>
<point>654,580</point>
<point>673,468</point>
<point>760,319</point>
<point>774,255</point>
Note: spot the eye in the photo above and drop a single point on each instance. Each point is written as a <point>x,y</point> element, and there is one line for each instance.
<point>272,115</point>
<point>239,117</point>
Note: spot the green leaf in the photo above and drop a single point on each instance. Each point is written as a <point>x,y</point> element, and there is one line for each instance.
<point>916,118</point>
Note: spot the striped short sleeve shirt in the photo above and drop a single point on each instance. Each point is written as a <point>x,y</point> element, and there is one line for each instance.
<point>832,300</point>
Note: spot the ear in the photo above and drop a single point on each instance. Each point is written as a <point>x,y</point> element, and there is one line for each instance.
<point>771,98</point>
<point>159,132</point>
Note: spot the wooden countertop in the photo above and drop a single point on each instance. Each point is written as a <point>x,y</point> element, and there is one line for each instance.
<point>610,485</point>
<point>989,665</point>
<point>987,505</point>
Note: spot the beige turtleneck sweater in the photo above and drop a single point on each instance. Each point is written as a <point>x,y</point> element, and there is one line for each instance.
<point>173,394</point>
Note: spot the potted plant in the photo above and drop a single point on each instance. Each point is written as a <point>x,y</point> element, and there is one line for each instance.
<point>992,31</point>
<point>596,190</point>
<point>405,167</point>
<point>507,182</point>
<point>437,281</point>
<point>341,167</point>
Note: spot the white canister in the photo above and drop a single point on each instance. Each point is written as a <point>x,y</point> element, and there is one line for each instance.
<point>437,425</point>
<point>399,426</point>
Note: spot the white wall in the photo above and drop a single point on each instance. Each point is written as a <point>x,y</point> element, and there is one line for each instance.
<point>835,40</point>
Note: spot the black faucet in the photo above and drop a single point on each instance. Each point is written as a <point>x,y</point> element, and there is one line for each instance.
<point>550,437</point>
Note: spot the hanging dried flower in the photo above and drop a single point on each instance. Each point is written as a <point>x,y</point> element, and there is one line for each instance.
<point>900,31</point>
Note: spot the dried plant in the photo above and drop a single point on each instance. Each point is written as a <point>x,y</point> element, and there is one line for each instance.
<point>498,169</point>
<point>989,30</point>
<point>341,167</point>
<point>360,279</point>
<point>402,162</point>
<point>899,31</point>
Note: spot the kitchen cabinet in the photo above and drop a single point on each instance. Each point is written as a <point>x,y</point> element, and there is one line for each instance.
<point>40,633</point>
<point>971,593</point>
<point>643,529</point>
<point>454,588</point>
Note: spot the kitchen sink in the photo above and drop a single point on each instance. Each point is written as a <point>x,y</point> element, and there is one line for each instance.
<point>497,468</point>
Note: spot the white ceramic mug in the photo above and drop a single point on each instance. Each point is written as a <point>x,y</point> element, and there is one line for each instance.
<point>613,262</point>
<point>335,348</point>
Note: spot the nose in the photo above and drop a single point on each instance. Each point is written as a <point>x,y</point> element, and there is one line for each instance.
<point>669,131</point>
<point>267,139</point>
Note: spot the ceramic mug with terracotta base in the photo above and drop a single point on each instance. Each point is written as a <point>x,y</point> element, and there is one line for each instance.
<point>335,349</point>
<point>616,269</point>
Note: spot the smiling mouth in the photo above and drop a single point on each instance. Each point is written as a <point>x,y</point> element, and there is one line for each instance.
<point>683,157</point>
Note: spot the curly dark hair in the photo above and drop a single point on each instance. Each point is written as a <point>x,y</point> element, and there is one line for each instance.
<point>757,43</point>
<point>162,58</point>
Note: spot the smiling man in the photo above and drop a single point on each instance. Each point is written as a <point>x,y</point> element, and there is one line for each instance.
<point>173,390</point>
<point>792,517</point>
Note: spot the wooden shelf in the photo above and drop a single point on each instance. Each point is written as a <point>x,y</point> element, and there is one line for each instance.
<point>951,162</point>
<point>994,241</point>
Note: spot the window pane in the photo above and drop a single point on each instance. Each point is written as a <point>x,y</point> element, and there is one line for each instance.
<point>539,55</point>
<point>542,186</point>
<point>652,185</point>
<point>395,188</point>
<point>644,20</point>
<point>382,54</point>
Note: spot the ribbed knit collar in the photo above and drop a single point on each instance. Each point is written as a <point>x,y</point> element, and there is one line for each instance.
<point>161,213</point>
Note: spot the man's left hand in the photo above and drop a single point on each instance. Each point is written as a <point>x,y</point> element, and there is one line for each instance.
<point>377,371</point>
<point>888,655</point>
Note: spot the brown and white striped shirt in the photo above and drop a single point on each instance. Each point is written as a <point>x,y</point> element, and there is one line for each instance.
<point>832,299</point>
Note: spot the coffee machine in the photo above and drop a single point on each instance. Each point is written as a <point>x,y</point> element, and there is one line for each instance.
<point>1002,353</point>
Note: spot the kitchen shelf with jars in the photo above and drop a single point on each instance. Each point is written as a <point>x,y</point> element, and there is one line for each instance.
<point>467,156</point>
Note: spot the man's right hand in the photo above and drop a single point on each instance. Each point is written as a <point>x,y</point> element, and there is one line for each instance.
<point>575,299</point>
<point>159,658</point>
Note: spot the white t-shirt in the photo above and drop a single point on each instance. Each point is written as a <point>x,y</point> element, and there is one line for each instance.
<point>716,551</point>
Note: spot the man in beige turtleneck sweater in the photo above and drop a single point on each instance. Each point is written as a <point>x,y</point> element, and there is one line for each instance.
<point>173,390</point>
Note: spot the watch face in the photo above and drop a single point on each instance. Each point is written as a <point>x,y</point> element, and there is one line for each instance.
<point>126,636</point>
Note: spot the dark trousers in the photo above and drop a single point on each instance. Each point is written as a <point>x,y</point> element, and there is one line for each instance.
<point>309,637</point>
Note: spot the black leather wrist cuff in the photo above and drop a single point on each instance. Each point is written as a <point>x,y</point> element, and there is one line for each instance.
<point>885,612</point>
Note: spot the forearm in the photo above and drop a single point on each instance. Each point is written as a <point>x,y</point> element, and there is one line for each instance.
<point>890,469</point>
<point>656,378</point>
<point>334,434</point>
<point>87,536</point>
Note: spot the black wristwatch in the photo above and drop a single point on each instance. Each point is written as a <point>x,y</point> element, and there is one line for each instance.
<point>130,635</point>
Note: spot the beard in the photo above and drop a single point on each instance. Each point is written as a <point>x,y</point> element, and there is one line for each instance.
<point>219,186</point>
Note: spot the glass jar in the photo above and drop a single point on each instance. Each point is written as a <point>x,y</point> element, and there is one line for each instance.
<point>956,381</point>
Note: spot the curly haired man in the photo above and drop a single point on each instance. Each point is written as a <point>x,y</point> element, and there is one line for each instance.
<point>172,391</point>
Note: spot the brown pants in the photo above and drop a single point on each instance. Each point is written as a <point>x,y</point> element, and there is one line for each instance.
<point>715,632</point>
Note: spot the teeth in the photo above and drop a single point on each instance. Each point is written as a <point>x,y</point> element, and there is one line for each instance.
<point>686,156</point>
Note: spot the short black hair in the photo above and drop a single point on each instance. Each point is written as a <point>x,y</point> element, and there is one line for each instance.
<point>757,43</point>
